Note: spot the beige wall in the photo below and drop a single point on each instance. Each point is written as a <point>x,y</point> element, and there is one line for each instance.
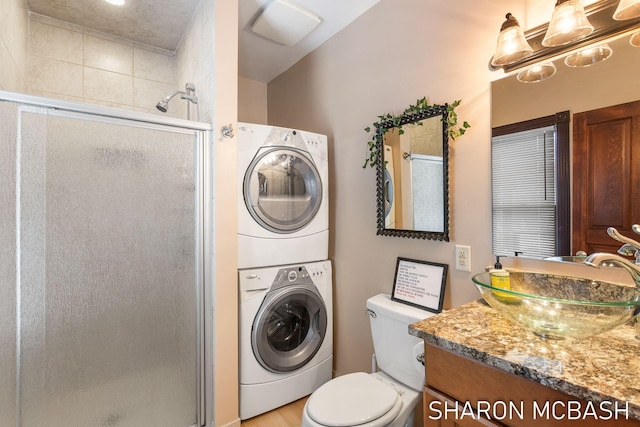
<point>225,252</point>
<point>538,12</point>
<point>252,101</point>
<point>13,45</point>
<point>396,53</point>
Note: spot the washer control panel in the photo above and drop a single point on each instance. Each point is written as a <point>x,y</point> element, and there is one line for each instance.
<point>305,274</point>
<point>294,275</point>
<point>271,278</point>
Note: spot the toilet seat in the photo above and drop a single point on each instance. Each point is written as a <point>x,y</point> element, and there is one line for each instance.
<point>354,400</point>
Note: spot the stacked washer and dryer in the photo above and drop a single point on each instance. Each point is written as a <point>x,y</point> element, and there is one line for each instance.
<point>284,276</point>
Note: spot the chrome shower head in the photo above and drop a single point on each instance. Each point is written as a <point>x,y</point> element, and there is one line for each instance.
<point>162,106</point>
<point>189,95</point>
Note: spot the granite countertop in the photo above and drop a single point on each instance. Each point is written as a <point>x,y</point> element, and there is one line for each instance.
<point>604,367</point>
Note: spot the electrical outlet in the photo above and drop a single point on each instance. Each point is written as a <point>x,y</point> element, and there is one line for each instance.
<point>463,258</point>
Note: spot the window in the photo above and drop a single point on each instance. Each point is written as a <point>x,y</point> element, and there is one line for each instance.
<point>530,187</point>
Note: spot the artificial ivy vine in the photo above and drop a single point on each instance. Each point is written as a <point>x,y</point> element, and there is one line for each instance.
<point>389,122</point>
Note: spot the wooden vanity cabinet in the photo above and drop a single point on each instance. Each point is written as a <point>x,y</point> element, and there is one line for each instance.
<point>453,380</point>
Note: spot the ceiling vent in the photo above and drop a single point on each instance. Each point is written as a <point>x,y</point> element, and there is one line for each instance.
<point>285,22</point>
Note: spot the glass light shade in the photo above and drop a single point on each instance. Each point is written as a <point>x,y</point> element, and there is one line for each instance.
<point>537,73</point>
<point>512,44</point>
<point>627,9</point>
<point>589,56</point>
<point>568,23</point>
<point>634,40</point>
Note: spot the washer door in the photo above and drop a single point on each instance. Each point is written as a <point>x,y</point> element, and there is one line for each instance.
<point>282,189</point>
<point>289,328</point>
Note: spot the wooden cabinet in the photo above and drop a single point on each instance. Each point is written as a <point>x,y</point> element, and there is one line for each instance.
<point>464,392</point>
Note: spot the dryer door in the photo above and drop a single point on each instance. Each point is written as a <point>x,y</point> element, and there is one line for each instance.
<point>289,328</point>
<point>282,189</point>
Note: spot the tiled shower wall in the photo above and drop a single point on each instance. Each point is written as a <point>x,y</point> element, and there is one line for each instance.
<point>195,59</point>
<point>48,57</point>
<point>13,45</point>
<point>71,62</point>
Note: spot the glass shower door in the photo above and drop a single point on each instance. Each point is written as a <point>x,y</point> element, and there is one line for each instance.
<point>110,273</point>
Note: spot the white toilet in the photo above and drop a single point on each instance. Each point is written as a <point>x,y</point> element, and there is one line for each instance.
<point>385,398</point>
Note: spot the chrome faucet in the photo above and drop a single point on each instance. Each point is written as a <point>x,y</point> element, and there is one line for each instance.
<point>630,246</point>
<point>599,258</point>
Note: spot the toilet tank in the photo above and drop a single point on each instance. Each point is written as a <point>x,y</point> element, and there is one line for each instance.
<point>395,349</point>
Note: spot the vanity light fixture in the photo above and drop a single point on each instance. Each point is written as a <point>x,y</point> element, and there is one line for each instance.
<point>512,45</point>
<point>115,2</point>
<point>537,73</point>
<point>568,23</point>
<point>597,28</point>
<point>627,9</point>
<point>589,56</point>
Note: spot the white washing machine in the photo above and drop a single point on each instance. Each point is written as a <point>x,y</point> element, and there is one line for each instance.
<point>286,334</point>
<point>283,208</point>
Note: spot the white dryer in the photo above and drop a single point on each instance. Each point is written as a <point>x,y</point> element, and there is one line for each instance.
<point>285,334</point>
<point>283,208</point>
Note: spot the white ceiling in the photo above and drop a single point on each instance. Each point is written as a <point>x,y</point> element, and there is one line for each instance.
<point>263,60</point>
<point>162,23</point>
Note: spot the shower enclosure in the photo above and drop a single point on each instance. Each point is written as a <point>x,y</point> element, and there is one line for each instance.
<point>102,263</point>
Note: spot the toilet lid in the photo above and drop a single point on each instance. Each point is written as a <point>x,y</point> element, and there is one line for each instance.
<point>351,400</point>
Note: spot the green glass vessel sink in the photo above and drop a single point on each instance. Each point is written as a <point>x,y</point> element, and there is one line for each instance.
<point>557,306</point>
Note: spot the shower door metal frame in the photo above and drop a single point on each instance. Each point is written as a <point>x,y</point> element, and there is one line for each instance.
<point>203,236</point>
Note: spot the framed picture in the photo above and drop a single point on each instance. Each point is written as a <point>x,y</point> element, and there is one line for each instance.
<point>420,284</point>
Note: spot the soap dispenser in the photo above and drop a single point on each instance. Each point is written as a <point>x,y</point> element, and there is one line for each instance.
<point>500,277</point>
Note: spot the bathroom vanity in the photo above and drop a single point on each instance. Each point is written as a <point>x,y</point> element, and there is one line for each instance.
<point>482,370</point>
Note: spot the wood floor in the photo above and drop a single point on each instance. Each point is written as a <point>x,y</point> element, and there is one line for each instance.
<point>286,416</point>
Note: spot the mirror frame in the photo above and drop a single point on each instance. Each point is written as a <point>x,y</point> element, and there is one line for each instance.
<point>381,130</point>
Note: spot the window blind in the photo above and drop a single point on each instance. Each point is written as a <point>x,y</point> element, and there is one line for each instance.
<point>523,193</point>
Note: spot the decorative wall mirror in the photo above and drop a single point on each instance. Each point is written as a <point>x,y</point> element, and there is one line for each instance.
<point>413,175</point>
